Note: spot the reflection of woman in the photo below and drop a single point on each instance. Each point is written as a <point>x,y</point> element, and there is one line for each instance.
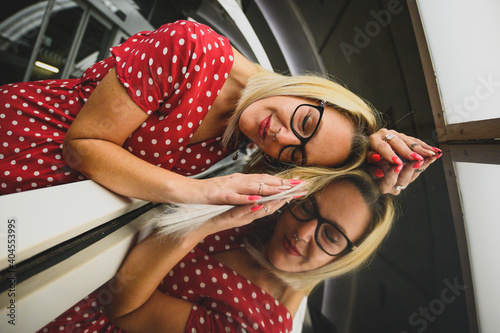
<point>212,281</point>
<point>157,110</point>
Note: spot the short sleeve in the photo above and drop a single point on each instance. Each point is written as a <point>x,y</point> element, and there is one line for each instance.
<point>153,64</point>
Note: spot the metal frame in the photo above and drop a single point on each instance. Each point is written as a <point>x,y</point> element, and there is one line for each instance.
<point>38,42</point>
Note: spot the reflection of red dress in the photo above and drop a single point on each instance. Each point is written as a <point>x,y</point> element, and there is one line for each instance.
<point>224,301</point>
<point>174,74</point>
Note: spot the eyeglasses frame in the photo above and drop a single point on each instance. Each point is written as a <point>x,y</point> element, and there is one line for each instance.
<point>321,220</point>
<point>303,141</point>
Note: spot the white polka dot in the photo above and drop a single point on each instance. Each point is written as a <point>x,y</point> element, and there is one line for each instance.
<point>165,50</point>
<point>159,70</point>
<point>209,93</point>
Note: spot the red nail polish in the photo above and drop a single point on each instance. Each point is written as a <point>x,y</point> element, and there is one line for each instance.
<point>376,158</point>
<point>255,208</point>
<point>298,196</point>
<point>437,150</point>
<point>418,165</point>
<point>379,173</point>
<point>439,155</point>
<point>416,156</point>
<point>398,168</point>
<point>295,181</point>
<point>396,160</point>
<point>254,197</point>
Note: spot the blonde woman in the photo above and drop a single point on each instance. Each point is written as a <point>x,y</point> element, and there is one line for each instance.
<point>169,104</point>
<point>230,274</point>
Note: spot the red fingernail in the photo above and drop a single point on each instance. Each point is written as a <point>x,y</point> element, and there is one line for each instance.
<point>298,196</point>
<point>398,168</point>
<point>254,197</point>
<point>379,173</point>
<point>396,160</point>
<point>295,181</point>
<point>416,156</point>
<point>437,150</point>
<point>439,155</point>
<point>418,165</point>
<point>376,158</point>
<point>253,209</point>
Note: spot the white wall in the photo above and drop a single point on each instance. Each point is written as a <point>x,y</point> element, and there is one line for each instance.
<point>464,42</point>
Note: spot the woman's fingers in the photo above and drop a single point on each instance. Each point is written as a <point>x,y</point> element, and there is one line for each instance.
<point>245,214</point>
<point>393,179</point>
<point>240,189</point>
<point>265,185</point>
<point>388,144</point>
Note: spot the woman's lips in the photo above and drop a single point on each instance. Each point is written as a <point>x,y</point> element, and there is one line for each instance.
<point>290,248</point>
<point>264,127</point>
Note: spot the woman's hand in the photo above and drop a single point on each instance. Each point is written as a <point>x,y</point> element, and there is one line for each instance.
<point>395,178</point>
<point>241,215</point>
<point>240,189</point>
<point>388,144</point>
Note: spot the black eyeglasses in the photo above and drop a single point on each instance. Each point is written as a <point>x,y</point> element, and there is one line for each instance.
<point>327,235</point>
<point>305,121</point>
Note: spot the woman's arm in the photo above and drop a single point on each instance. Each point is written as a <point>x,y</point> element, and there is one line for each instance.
<point>93,146</point>
<point>136,305</point>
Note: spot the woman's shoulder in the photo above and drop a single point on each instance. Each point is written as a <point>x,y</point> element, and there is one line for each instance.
<point>193,32</point>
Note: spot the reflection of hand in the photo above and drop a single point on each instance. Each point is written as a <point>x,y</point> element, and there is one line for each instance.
<point>240,189</point>
<point>395,178</point>
<point>387,143</point>
<point>242,215</point>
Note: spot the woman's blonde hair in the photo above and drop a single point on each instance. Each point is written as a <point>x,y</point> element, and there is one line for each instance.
<point>382,211</point>
<point>265,84</point>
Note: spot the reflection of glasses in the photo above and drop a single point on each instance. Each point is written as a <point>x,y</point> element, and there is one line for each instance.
<point>328,236</point>
<point>304,123</point>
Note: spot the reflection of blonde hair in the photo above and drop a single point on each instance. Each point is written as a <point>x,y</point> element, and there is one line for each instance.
<point>383,213</point>
<point>265,84</point>
<point>183,218</point>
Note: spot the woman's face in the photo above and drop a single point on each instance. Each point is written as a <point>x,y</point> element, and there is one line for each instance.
<point>342,205</point>
<point>329,146</point>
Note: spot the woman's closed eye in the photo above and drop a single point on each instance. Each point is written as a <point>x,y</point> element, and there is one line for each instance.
<point>306,122</point>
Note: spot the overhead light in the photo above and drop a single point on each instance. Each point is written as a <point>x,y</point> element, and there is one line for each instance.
<point>47,67</point>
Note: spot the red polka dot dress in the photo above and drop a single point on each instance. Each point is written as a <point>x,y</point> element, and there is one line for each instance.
<point>173,74</point>
<point>224,301</point>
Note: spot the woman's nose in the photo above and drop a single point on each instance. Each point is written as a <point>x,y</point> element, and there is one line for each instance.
<point>306,230</point>
<point>286,137</point>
